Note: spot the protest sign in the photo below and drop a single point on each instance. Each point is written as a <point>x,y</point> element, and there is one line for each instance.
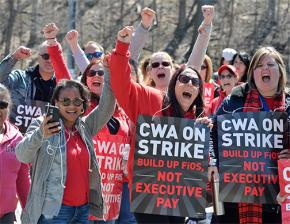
<point>284,182</point>
<point>109,150</point>
<point>170,166</point>
<point>248,145</point>
<point>22,115</point>
<point>208,93</point>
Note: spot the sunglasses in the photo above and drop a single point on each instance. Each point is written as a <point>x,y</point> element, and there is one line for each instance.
<point>67,102</point>
<point>203,67</point>
<point>92,73</point>
<point>228,76</point>
<point>157,64</point>
<point>45,56</point>
<point>185,79</point>
<point>3,104</point>
<point>97,54</point>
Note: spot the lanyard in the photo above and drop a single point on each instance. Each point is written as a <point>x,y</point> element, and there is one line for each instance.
<point>264,104</point>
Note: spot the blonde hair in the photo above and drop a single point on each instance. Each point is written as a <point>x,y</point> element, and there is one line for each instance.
<point>91,43</point>
<point>149,81</point>
<point>208,63</point>
<point>260,53</point>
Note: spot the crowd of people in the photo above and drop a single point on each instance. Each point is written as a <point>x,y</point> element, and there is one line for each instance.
<point>59,170</point>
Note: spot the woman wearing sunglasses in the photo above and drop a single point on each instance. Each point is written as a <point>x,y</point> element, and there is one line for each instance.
<point>184,97</point>
<point>14,175</point>
<point>66,183</point>
<point>161,67</point>
<point>94,52</point>
<point>116,128</point>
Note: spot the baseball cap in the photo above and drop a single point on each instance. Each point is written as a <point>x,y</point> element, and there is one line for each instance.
<point>228,67</point>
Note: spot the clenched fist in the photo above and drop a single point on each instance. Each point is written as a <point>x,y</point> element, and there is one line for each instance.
<point>125,35</point>
<point>72,37</point>
<point>147,16</point>
<point>50,31</point>
<point>21,53</point>
<point>208,13</point>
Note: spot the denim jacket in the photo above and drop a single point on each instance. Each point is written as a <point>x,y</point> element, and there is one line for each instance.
<point>48,158</point>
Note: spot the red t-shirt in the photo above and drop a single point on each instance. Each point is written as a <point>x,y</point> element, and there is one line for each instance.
<point>77,178</point>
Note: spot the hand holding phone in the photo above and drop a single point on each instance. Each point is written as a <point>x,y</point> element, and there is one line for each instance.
<point>51,123</point>
<point>54,111</point>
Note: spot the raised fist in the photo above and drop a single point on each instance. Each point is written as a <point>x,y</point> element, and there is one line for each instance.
<point>72,37</point>
<point>125,35</point>
<point>147,16</point>
<point>21,53</point>
<point>208,13</point>
<point>50,31</point>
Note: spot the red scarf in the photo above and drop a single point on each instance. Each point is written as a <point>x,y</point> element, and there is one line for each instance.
<point>252,213</point>
<point>169,112</point>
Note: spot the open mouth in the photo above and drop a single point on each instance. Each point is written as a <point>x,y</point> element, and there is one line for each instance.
<point>71,111</point>
<point>161,76</point>
<point>97,84</point>
<point>266,78</point>
<point>186,95</point>
<point>226,84</point>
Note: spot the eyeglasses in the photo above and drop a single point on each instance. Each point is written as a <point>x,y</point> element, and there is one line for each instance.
<point>203,67</point>
<point>3,104</point>
<point>92,73</point>
<point>96,54</point>
<point>228,76</point>
<point>45,56</point>
<point>185,79</point>
<point>157,64</point>
<point>67,102</point>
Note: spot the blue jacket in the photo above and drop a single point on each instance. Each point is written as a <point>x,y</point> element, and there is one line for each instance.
<point>21,83</point>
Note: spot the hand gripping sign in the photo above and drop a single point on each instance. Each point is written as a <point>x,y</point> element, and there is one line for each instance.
<point>170,167</point>
<point>249,144</point>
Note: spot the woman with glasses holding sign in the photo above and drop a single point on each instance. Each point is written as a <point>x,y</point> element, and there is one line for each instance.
<point>184,98</point>
<point>14,175</point>
<point>66,182</point>
<point>264,91</point>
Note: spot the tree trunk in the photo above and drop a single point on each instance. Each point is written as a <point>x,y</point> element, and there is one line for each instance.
<point>33,27</point>
<point>180,31</point>
<point>9,29</point>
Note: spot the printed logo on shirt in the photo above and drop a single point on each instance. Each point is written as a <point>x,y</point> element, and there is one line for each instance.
<point>10,149</point>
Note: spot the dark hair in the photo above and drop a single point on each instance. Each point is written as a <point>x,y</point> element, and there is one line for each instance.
<point>93,97</point>
<point>5,91</point>
<point>221,61</point>
<point>171,100</point>
<point>65,84</point>
<point>245,58</point>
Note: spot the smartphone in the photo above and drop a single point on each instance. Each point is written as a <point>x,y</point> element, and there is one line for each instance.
<point>54,111</point>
